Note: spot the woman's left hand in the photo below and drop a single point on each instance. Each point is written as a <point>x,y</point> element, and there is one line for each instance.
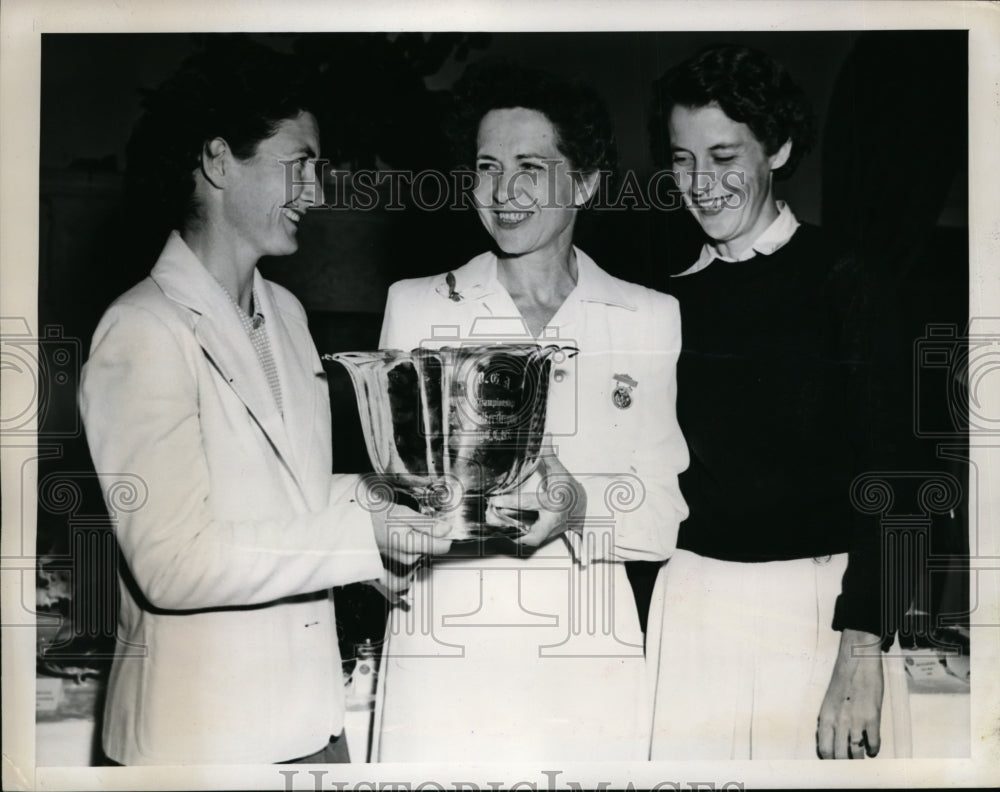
<point>850,716</point>
<point>559,500</point>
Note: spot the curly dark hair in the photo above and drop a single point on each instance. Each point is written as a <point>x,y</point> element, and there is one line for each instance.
<point>585,134</point>
<point>750,87</point>
<point>235,89</point>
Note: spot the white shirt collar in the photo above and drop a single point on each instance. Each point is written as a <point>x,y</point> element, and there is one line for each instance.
<point>478,279</point>
<point>773,237</point>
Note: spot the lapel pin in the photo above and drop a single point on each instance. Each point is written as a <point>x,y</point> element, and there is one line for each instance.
<point>622,396</point>
<point>453,295</point>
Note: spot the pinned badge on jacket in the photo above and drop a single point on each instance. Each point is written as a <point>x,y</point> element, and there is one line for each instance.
<point>622,396</point>
<point>453,295</point>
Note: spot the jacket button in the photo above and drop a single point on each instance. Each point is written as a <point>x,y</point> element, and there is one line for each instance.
<point>822,559</point>
<point>559,375</point>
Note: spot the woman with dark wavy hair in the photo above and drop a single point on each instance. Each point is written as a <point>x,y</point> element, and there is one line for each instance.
<point>531,649</point>
<point>203,389</point>
<point>768,615</point>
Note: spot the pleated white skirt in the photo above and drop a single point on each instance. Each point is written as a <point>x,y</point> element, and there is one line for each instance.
<point>740,657</point>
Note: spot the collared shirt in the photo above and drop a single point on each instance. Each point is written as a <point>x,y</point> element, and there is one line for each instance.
<point>254,327</point>
<point>773,237</point>
<point>479,278</point>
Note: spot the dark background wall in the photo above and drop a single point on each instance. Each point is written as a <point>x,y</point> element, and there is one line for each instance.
<point>90,99</point>
<point>90,83</point>
<point>863,179</point>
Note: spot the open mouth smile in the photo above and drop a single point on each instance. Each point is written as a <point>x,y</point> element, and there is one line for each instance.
<point>711,207</point>
<point>292,213</point>
<point>508,219</point>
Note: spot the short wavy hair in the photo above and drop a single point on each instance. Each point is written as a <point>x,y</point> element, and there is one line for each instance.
<point>584,131</point>
<point>235,89</point>
<point>750,87</point>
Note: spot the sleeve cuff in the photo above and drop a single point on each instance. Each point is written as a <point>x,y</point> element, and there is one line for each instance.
<point>854,616</point>
<point>613,529</point>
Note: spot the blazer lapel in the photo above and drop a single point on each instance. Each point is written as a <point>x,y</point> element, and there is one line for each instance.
<point>298,370</point>
<point>245,376</point>
<point>220,334</point>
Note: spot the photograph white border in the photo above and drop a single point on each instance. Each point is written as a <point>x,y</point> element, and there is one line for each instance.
<point>22,23</point>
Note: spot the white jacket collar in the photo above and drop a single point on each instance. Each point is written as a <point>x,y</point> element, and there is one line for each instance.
<point>478,279</point>
<point>183,278</point>
<point>218,330</point>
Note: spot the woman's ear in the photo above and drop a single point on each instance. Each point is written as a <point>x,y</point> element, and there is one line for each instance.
<point>214,161</point>
<point>585,186</point>
<point>780,157</point>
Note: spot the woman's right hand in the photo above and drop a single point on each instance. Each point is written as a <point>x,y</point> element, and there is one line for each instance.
<point>395,586</point>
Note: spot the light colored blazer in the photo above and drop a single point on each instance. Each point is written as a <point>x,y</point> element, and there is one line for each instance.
<point>627,459</point>
<point>227,644</point>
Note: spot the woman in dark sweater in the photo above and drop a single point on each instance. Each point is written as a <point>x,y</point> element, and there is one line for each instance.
<point>778,398</point>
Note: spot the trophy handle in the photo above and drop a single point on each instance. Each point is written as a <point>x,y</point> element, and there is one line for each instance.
<point>367,373</point>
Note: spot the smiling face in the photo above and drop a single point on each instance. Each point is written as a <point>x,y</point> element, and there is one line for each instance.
<point>525,195</point>
<point>270,192</point>
<point>724,174</point>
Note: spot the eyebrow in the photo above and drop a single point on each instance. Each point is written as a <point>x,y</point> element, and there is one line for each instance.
<point>302,149</point>
<point>542,157</point>
<point>715,147</point>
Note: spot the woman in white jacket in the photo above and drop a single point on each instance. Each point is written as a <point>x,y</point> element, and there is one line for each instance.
<point>531,649</point>
<point>203,385</point>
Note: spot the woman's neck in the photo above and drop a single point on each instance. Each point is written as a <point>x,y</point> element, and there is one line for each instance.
<point>218,256</point>
<point>538,284</point>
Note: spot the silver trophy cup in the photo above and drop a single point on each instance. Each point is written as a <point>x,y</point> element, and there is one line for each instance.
<point>451,427</point>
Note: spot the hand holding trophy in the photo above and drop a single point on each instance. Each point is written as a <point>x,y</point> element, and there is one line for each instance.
<point>550,502</point>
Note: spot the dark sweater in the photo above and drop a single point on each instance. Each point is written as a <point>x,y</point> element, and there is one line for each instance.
<point>783,397</point>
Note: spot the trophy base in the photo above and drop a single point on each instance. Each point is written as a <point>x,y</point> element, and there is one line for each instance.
<point>474,519</point>
<point>477,521</point>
